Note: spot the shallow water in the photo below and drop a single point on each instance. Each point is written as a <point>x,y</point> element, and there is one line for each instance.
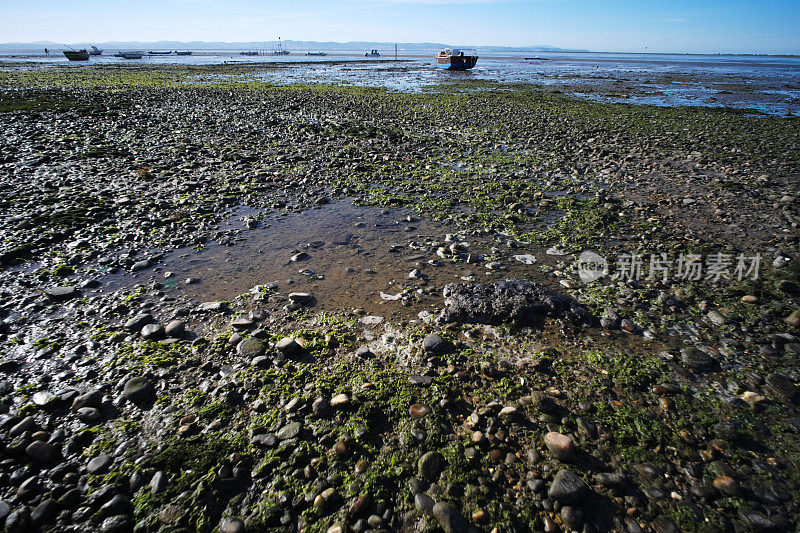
<point>355,253</point>
<point>768,84</point>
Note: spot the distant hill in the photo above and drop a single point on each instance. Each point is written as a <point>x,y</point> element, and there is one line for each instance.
<point>290,45</point>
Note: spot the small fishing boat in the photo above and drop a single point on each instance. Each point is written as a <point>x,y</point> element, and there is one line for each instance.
<point>248,53</point>
<point>373,53</point>
<point>152,53</point>
<point>130,55</point>
<point>95,51</point>
<point>186,53</point>
<point>279,50</point>
<point>77,55</point>
<point>316,54</point>
<point>456,59</point>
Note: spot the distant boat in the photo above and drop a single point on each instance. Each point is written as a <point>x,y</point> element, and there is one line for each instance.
<point>152,53</point>
<point>129,55</point>
<point>186,53</point>
<point>248,53</point>
<point>456,59</point>
<point>77,55</point>
<point>316,54</point>
<point>373,53</point>
<point>95,51</point>
<point>280,50</point>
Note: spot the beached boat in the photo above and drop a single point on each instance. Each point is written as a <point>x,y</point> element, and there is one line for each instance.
<point>248,53</point>
<point>186,53</point>
<point>95,51</point>
<point>77,55</point>
<point>152,53</point>
<point>372,53</point>
<point>316,54</point>
<point>456,59</point>
<point>130,55</point>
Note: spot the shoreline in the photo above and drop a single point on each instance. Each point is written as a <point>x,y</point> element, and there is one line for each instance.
<point>630,404</point>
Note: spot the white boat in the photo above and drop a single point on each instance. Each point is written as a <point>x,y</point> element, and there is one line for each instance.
<point>373,53</point>
<point>129,55</point>
<point>316,54</point>
<point>95,51</point>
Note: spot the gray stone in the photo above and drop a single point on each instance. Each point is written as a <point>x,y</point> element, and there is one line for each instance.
<point>288,346</point>
<point>136,323</point>
<point>158,482</point>
<point>423,503</point>
<point>63,293</point>
<point>450,518</point>
<point>231,525</point>
<point>176,328</point>
<point>45,512</point>
<point>42,452</point>
<point>26,424</point>
<point>431,465</point>
<point>44,398</point>
<point>289,431</point>
<point>90,399</point>
<point>696,359</point>
<point>782,385</point>
<point>99,464</point>
<point>567,488</point>
<point>116,524</point>
<point>251,348</point>
<point>213,306</point>
<point>89,415</point>
<point>435,344</point>
<point>139,390</point>
<point>153,331</point>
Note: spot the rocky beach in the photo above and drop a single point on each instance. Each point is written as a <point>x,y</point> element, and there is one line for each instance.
<point>231,305</point>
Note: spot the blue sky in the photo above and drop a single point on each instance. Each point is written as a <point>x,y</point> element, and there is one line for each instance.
<point>735,26</point>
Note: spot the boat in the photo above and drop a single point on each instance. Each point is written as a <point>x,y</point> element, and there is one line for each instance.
<point>77,55</point>
<point>186,53</point>
<point>316,54</point>
<point>152,53</point>
<point>456,59</point>
<point>95,51</point>
<point>373,53</point>
<point>130,55</point>
<point>280,50</point>
<point>248,53</point>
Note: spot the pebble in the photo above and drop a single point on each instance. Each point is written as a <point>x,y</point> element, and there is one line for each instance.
<point>567,488</point>
<point>250,348</point>
<point>430,465</point>
<point>139,390</point>
<point>289,346</point>
<point>42,452</point>
<point>561,446</point>
<point>435,344</point>
<point>450,518</point>
<point>419,410</point>
<point>99,464</point>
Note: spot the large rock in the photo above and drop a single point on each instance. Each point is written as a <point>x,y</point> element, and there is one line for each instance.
<point>518,301</point>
